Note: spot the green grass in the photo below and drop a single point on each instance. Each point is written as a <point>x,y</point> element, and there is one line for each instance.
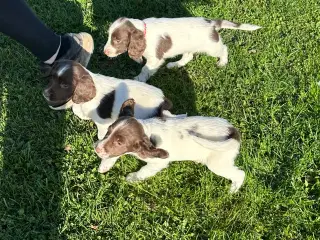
<point>268,90</point>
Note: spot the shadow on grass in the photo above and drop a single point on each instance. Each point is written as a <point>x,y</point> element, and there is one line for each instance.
<point>33,136</point>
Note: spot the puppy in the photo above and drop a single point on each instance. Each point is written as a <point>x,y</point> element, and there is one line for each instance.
<point>207,140</point>
<point>98,97</point>
<point>159,38</point>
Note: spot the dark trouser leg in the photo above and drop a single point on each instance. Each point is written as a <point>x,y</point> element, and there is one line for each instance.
<point>19,22</point>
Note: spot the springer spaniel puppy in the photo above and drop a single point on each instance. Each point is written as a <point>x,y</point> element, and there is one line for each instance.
<point>208,140</point>
<point>157,39</point>
<point>98,97</point>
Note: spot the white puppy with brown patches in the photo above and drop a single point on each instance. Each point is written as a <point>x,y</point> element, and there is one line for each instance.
<point>207,140</point>
<point>157,39</point>
<point>99,98</point>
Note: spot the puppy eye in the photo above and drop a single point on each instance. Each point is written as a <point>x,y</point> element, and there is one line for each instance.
<point>62,85</point>
<point>118,141</point>
<point>117,40</point>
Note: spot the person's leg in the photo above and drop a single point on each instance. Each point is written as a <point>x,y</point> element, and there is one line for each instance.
<point>19,22</point>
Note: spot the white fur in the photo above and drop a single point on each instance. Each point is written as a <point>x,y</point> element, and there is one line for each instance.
<point>184,139</point>
<point>188,35</point>
<point>147,97</point>
<point>62,70</point>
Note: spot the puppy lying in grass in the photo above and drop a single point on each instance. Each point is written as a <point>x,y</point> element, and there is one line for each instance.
<point>98,97</point>
<point>208,140</point>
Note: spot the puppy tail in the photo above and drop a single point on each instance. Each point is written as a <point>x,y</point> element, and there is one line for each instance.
<point>165,105</point>
<point>230,141</point>
<point>233,134</point>
<point>232,25</point>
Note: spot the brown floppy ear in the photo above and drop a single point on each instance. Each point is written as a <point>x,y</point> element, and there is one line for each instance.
<point>137,45</point>
<point>145,149</point>
<point>127,108</point>
<point>85,89</point>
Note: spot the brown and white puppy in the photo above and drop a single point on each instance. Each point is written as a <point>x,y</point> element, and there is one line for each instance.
<point>157,39</point>
<point>98,97</point>
<point>207,140</point>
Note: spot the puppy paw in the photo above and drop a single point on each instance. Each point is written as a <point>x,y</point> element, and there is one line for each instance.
<point>132,177</point>
<point>140,78</point>
<point>235,187</point>
<point>222,63</point>
<point>82,117</point>
<point>103,169</point>
<point>100,136</point>
<point>172,65</point>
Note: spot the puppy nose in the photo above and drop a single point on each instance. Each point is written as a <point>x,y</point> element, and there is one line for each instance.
<point>98,150</point>
<point>96,147</point>
<point>106,51</point>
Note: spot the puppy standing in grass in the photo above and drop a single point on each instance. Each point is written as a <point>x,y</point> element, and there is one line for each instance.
<point>159,38</point>
<point>207,140</point>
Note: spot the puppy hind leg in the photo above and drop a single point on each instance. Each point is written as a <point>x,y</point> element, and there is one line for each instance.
<point>221,54</point>
<point>222,164</point>
<point>149,69</point>
<point>223,58</point>
<point>147,171</point>
<point>187,57</point>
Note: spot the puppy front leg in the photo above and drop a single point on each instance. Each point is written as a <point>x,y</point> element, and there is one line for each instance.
<point>107,164</point>
<point>187,57</point>
<point>102,130</point>
<point>149,69</point>
<point>77,110</point>
<point>147,171</point>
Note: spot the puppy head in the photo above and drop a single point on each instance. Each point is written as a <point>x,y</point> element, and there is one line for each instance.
<point>69,81</point>
<point>126,135</point>
<point>124,36</point>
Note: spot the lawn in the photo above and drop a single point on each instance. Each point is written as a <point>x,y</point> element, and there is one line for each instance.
<point>49,184</point>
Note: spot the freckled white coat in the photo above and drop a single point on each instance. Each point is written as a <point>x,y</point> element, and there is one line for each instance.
<point>187,36</point>
<point>148,99</point>
<point>199,139</point>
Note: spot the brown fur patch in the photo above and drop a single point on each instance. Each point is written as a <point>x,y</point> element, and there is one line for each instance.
<point>237,24</point>
<point>165,43</point>
<point>85,88</point>
<point>215,35</point>
<point>128,38</point>
<point>218,23</point>
<point>234,133</point>
<point>127,108</point>
<point>120,37</point>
